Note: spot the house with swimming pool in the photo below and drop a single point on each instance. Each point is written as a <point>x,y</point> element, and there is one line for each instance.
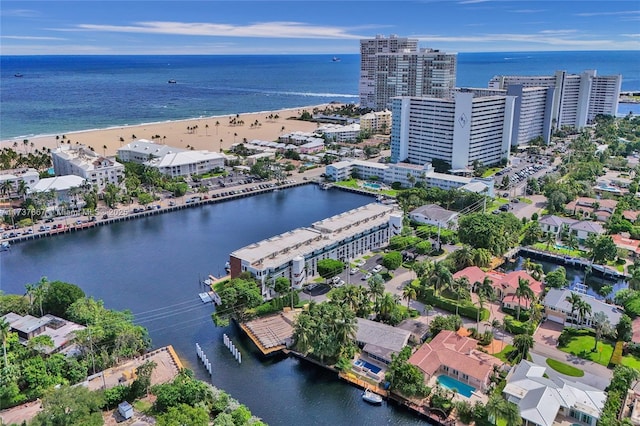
<point>455,363</point>
<point>545,401</point>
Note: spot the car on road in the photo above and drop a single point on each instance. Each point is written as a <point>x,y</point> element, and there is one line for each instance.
<point>504,207</point>
<point>367,276</point>
<point>339,283</point>
<point>377,269</point>
<point>353,271</point>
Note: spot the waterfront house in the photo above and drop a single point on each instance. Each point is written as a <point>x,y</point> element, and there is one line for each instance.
<point>624,242</point>
<point>555,224</point>
<point>29,176</point>
<point>379,341</point>
<point>433,214</point>
<point>580,228</point>
<point>61,331</point>
<point>544,402</point>
<point>558,310</point>
<point>455,356</point>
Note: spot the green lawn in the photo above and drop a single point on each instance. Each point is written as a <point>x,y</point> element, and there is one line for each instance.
<point>351,183</point>
<point>581,344</point>
<point>631,361</point>
<point>553,249</point>
<point>565,369</point>
<point>502,355</point>
<point>492,171</point>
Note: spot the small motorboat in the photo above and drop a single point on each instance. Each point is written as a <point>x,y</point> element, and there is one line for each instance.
<point>17,74</point>
<point>172,82</point>
<point>371,397</point>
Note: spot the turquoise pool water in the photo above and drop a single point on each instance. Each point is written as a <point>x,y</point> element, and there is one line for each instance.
<point>451,383</point>
<point>372,185</point>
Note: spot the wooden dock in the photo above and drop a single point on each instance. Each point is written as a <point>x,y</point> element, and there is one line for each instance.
<point>363,384</point>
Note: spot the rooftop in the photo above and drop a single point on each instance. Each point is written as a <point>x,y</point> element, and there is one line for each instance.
<point>275,251</point>
<point>58,183</point>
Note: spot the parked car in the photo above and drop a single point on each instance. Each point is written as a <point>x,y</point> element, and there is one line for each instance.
<point>353,271</point>
<point>377,269</point>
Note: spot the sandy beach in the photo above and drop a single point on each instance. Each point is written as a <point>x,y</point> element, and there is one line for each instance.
<point>181,133</point>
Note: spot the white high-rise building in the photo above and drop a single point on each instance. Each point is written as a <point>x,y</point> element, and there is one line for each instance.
<point>577,98</point>
<point>393,66</point>
<point>457,130</point>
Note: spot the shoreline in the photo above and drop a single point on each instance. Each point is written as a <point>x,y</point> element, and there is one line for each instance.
<point>205,134</point>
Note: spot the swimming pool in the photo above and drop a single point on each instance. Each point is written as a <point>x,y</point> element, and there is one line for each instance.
<point>451,383</point>
<point>364,364</point>
<point>372,185</point>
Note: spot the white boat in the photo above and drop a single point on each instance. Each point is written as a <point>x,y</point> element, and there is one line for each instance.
<point>227,266</point>
<point>5,245</point>
<point>371,397</point>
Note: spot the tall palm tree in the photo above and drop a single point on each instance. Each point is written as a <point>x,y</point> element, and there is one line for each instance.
<point>523,342</point>
<point>584,309</point>
<point>574,299</point>
<point>22,189</point>
<point>5,189</point>
<point>387,304</point>
<point>440,277</point>
<point>463,257</point>
<point>409,293</point>
<point>523,290</point>
<point>5,328</point>
<point>376,290</point>
<point>602,326</point>
<point>460,287</point>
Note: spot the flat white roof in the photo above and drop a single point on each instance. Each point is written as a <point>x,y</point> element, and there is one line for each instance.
<point>58,183</point>
<point>277,250</point>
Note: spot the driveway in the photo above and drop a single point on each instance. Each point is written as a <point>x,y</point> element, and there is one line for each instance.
<point>546,339</point>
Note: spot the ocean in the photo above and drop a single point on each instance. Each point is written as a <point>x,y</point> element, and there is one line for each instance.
<point>60,94</point>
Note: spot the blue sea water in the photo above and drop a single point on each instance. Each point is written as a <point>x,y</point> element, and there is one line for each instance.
<point>59,94</point>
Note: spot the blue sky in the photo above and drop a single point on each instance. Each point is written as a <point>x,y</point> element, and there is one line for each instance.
<point>307,27</point>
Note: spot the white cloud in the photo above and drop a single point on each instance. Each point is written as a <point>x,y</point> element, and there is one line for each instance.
<point>10,37</point>
<point>21,13</point>
<point>622,13</point>
<point>528,10</point>
<point>631,35</point>
<point>557,40</point>
<point>261,29</point>
<point>472,1</point>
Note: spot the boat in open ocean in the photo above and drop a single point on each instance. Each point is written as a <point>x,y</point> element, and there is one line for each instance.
<point>172,82</point>
<point>17,74</point>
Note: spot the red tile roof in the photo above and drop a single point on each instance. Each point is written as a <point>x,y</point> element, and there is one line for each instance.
<point>473,274</point>
<point>456,352</point>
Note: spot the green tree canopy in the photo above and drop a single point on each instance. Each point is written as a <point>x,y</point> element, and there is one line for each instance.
<point>70,406</point>
<point>59,297</point>
<point>329,268</point>
<point>392,260</point>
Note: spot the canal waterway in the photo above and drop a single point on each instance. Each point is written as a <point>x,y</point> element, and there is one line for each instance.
<point>153,266</point>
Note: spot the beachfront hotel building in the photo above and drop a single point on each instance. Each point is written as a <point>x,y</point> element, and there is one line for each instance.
<point>171,161</point>
<point>459,130</point>
<point>295,254</point>
<point>395,66</point>
<point>577,98</point>
<point>336,133</point>
<point>81,161</point>
<point>407,175</point>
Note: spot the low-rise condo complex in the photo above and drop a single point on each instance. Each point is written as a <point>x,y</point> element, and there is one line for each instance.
<point>295,254</point>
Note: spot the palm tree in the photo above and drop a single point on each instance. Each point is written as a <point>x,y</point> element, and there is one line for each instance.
<point>602,326</point>
<point>549,238</point>
<point>574,299</point>
<point>634,279</point>
<point>5,328</point>
<point>460,287</point>
<point>22,189</point>
<point>387,304</point>
<point>523,342</point>
<point>584,309</point>
<point>495,324</point>
<point>427,311</point>
<point>494,407</point>
<point>523,290</point>
<point>408,293</point>
<point>511,414</point>
<point>376,289</point>
<point>440,277</point>
<point>5,188</point>
<point>463,257</point>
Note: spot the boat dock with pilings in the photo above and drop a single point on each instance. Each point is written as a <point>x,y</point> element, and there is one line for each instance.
<point>575,262</point>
